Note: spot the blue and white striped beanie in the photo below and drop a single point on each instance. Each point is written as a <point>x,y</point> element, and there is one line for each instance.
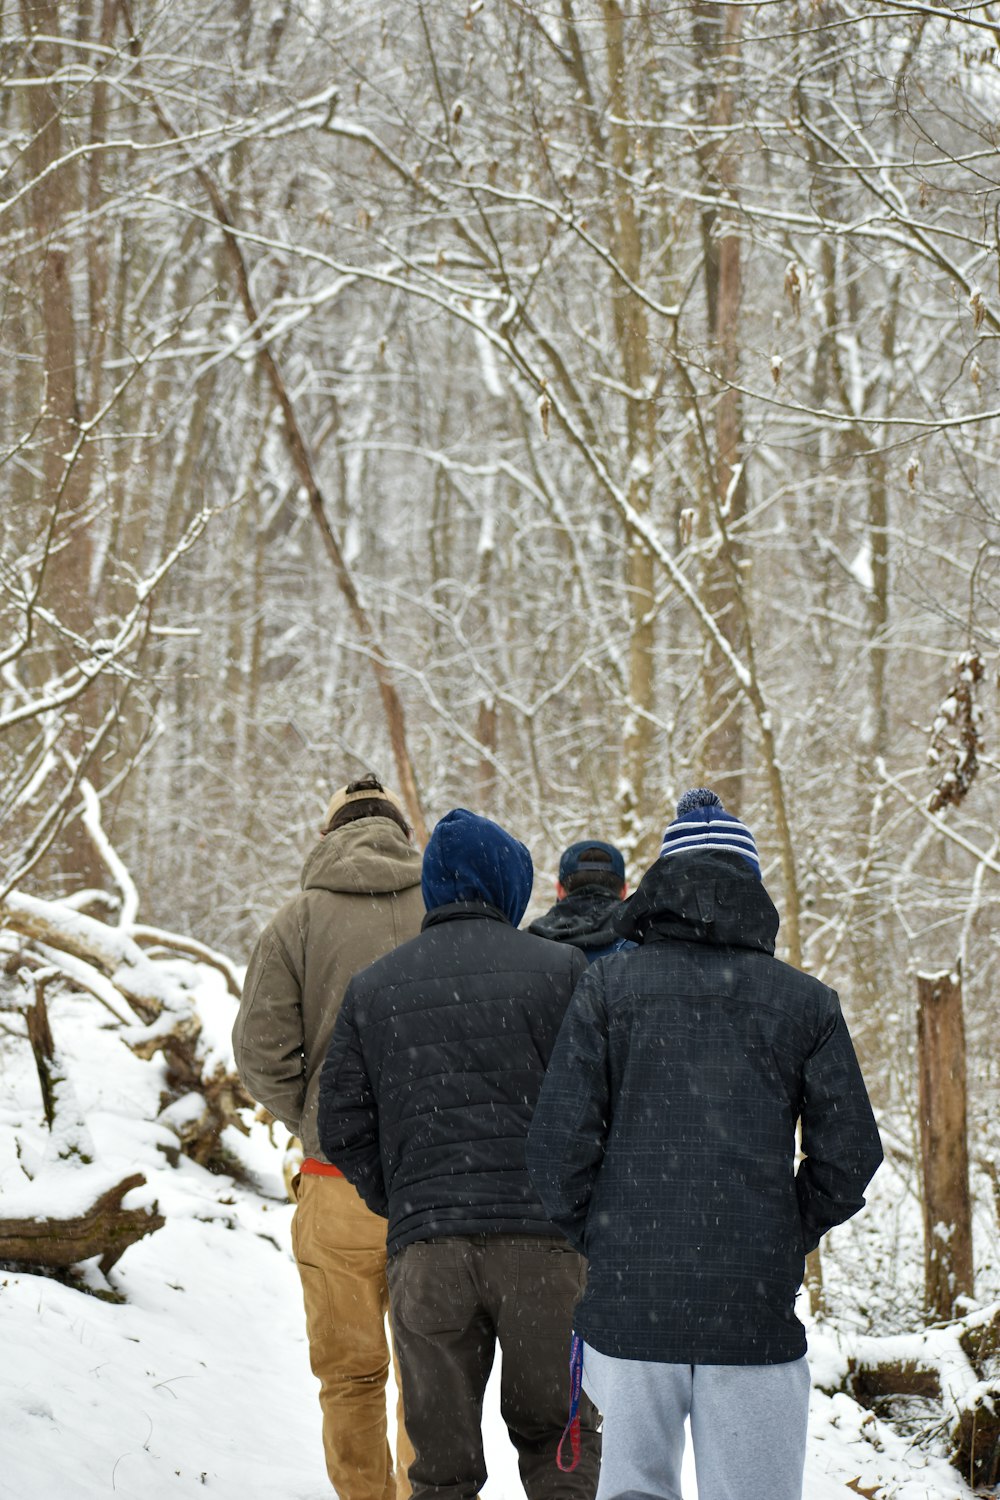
<point>703,823</point>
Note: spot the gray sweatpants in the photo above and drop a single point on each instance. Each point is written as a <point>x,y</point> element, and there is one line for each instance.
<point>748,1427</point>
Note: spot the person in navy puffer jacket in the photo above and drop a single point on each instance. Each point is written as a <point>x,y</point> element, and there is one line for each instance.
<point>426,1098</point>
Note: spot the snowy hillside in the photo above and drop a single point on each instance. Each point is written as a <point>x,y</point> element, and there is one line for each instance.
<point>197,1381</point>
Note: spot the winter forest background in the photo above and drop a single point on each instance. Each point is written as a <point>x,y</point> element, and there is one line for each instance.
<point>551,404</point>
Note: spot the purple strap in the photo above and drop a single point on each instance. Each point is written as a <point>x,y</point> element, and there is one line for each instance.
<point>572,1428</point>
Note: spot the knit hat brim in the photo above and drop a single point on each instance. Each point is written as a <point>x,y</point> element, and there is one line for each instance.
<point>343,798</point>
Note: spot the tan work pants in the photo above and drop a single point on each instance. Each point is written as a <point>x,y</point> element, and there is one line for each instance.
<point>339,1246</point>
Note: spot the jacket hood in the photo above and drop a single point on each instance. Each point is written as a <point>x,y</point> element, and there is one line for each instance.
<point>368,857</point>
<point>701,897</point>
<point>584,918</point>
<point>469,858</point>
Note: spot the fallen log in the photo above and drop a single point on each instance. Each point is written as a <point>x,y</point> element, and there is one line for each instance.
<point>105,1229</point>
<point>956,1364</point>
<point>871,1383</point>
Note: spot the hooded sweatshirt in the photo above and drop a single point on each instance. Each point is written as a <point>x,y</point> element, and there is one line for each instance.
<point>440,1048</point>
<point>470,858</point>
<point>360,897</point>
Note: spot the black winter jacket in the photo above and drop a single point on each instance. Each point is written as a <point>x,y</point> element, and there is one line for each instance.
<point>434,1070</point>
<point>664,1140</point>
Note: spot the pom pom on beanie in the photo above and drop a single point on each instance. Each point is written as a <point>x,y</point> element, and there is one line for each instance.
<point>703,823</point>
<point>699,796</point>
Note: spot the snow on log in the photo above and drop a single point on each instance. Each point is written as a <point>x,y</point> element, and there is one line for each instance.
<point>156,942</point>
<point>956,1364</point>
<point>72,1209</point>
<point>109,950</point>
<point>109,963</point>
<point>105,1228</point>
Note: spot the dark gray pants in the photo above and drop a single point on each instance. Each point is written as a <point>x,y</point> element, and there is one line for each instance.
<point>452,1300</point>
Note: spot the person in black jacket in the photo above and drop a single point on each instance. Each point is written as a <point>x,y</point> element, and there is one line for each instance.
<point>664,1146</point>
<point>426,1097</point>
<point>590,889</point>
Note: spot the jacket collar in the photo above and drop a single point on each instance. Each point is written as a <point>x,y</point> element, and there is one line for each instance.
<point>454,910</point>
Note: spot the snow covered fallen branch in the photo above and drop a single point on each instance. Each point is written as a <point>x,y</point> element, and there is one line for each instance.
<point>156,942</point>
<point>108,962</point>
<point>954,1364</point>
<point>110,951</point>
<point>73,1209</point>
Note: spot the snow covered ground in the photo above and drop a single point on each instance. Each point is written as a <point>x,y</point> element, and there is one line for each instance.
<point>198,1384</point>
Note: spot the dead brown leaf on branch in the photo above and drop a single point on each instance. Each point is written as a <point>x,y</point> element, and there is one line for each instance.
<point>793,287</point>
<point>956,744</point>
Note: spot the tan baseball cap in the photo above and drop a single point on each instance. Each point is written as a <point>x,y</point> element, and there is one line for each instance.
<point>378,793</point>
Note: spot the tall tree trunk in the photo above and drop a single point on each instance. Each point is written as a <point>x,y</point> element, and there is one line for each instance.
<point>66,463</point>
<point>631,326</point>
<point>944,1144</point>
<point>717,35</point>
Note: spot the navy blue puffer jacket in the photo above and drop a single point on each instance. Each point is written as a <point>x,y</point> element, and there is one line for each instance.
<point>439,1051</point>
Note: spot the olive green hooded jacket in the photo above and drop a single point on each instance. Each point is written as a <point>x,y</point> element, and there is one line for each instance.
<point>360,897</point>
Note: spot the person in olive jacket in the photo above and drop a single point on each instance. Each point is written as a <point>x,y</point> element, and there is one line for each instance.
<point>360,896</point>
<point>426,1097</point>
<point>664,1146</point>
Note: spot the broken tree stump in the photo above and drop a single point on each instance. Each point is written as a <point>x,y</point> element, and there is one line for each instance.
<point>944,1145</point>
<point>36,1018</point>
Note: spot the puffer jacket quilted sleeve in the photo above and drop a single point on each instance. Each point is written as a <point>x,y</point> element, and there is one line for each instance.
<point>349,1126</point>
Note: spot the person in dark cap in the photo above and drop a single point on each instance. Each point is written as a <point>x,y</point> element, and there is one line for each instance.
<point>590,889</point>
<point>664,1143</point>
<point>426,1097</point>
